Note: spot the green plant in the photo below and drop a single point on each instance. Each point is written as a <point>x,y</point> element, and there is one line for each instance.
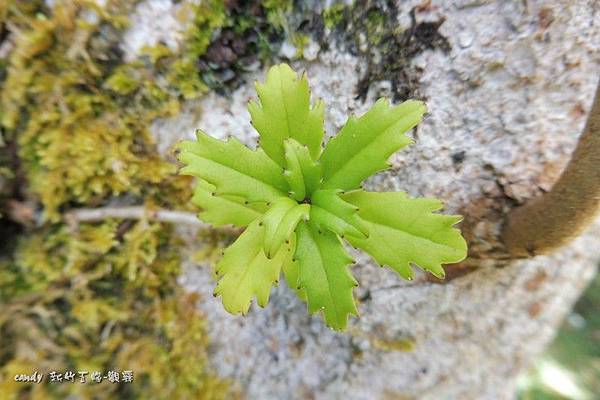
<point>298,200</point>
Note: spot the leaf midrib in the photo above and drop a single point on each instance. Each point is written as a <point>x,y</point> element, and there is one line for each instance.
<point>285,108</point>
<point>269,184</point>
<point>426,238</point>
<point>326,275</point>
<point>243,277</point>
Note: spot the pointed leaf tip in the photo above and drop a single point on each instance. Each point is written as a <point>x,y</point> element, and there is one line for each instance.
<point>284,111</point>
<point>364,144</point>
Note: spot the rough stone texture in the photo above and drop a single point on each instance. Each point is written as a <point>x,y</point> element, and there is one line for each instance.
<point>154,22</point>
<point>506,107</point>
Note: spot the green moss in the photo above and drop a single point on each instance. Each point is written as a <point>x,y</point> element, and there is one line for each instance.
<point>403,344</point>
<point>334,15</point>
<point>276,11</point>
<point>122,81</point>
<point>63,103</point>
<point>250,34</point>
<point>375,25</point>
<point>184,75</point>
<point>105,298</point>
<point>182,72</point>
<point>97,296</point>
<point>208,16</point>
<point>369,28</point>
<point>300,41</point>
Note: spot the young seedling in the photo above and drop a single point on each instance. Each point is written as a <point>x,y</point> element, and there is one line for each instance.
<point>298,201</point>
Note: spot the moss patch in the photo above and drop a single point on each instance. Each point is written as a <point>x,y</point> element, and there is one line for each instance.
<point>369,29</point>
<point>75,131</point>
<point>79,116</point>
<point>250,35</point>
<point>99,299</point>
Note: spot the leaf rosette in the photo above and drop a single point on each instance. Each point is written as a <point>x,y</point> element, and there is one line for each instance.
<point>299,201</point>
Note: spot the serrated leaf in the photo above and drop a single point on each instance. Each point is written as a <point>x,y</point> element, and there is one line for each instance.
<point>330,212</point>
<point>233,168</point>
<point>302,173</point>
<point>246,272</point>
<point>280,222</point>
<point>364,144</point>
<point>296,206</point>
<point>284,112</point>
<point>324,276</point>
<point>404,231</point>
<point>224,210</point>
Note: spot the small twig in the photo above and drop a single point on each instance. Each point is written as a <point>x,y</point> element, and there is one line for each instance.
<point>139,212</point>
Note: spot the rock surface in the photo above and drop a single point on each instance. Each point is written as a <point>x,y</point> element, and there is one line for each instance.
<point>506,106</point>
